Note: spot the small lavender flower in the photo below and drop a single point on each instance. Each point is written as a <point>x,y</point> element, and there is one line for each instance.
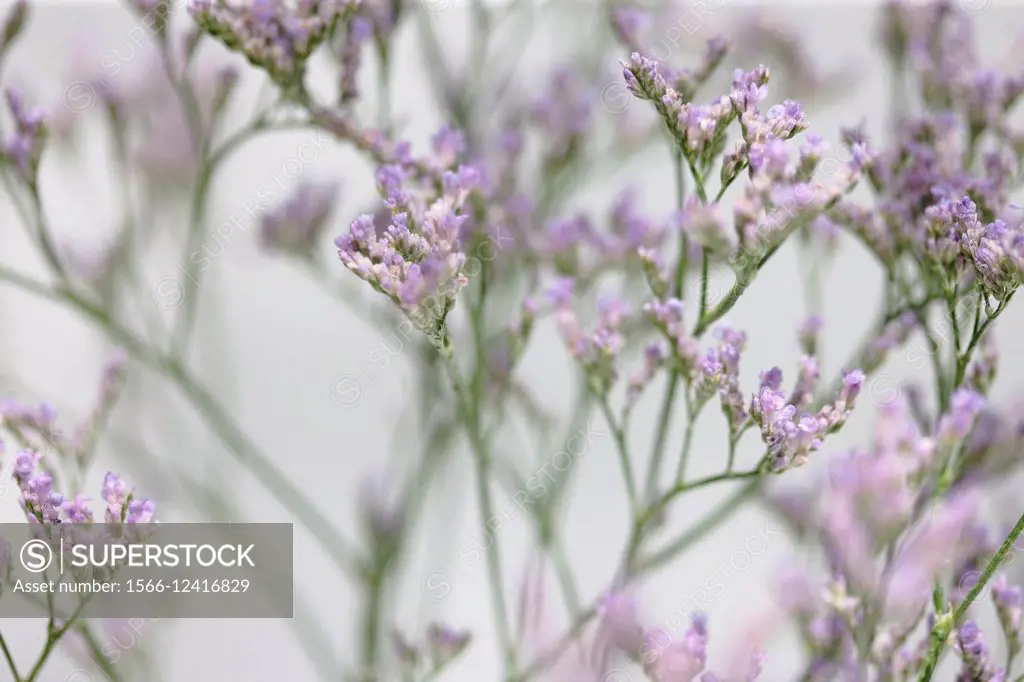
<point>630,24</point>
<point>25,145</point>
<point>382,512</point>
<point>997,254</point>
<point>681,660</point>
<point>564,114</point>
<point>77,510</point>
<point>666,316</point>
<point>655,271</point>
<point>41,503</point>
<point>122,505</point>
<point>718,371</point>
<point>358,31</point>
<point>1009,600</point>
<point>893,335</point>
<point>643,78</point>
<point>982,371</point>
<point>620,623</point>
<point>705,225</point>
<point>808,334</point>
<point>111,383</point>
<point>977,660</point>
<point>927,551</point>
<point>654,360</point>
<point>964,407</point>
<point>445,643</point>
<point>296,227</point>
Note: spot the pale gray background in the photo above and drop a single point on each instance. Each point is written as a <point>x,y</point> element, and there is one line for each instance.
<point>275,345</point>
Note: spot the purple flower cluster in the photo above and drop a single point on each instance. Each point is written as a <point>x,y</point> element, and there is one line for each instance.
<point>886,556</point>
<point>896,527</point>
<point>597,350</point>
<point>296,227</point>
<point>440,647</point>
<point>663,658</point>
<point>977,660</point>
<point>276,36</point>
<point>790,432</point>
<point>24,146</point>
<point>43,504</point>
<point>417,261</point>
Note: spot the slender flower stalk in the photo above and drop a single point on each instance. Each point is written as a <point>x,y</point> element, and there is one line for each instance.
<point>475,247</point>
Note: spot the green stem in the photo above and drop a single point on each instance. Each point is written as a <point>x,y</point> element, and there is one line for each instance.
<point>237,442</point>
<point>692,535</point>
<point>53,636</point>
<point>10,659</point>
<point>668,400</point>
<point>483,462</point>
<point>372,617</point>
<point>726,304</point>
<point>43,234</point>
<point>684,455</point>
<point>384,88</point>
<point>993,565</point>
<point>624,460</point>
<point>681,488</point>
<point>964,359</point>
<point>703,284</point>
<point>939,641</point>
<point>707,524</point>
<point>210,165</point>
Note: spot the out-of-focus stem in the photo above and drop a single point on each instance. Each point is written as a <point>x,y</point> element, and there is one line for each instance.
<point>384,89</point>
<point>209,164</point>
<point>10,659</point>
<point>483,462</point>
<point>622,446</point>
<point>668,401</point>
<point>99,657</point>
<point>237,442</point>
<point>371,619</point>
<point>684,455</point>
<point>53,636</point>
<point>964,359</point>
<point>708,523</point>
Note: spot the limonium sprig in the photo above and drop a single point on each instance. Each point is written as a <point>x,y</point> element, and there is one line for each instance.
<point>483,244</point>
<point>39,478</point>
